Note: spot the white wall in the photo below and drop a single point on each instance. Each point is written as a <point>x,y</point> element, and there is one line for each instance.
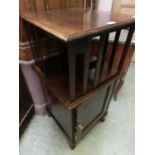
<point>104,5</point>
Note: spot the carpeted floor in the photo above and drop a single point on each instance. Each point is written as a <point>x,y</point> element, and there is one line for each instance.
<point>113,137</point>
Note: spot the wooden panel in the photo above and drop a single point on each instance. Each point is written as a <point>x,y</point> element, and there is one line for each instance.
<point>34,5</point>
<point>73,3</point>
<point>23,6</point>
<point>127,5</point>
<point>77,3</point>
<point>27,5</point>
<point>54,4</point>
<point>129,2</point>
<point>124,6</point>
<point>91,108</point>
<point>127,10</point>
<point>101,52</point>
<point>62,115</point>
<point>40,5</point>
<point>67,4</point>
<point>116,6</point>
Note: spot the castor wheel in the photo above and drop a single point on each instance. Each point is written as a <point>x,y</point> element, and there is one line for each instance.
<point>72,146</point>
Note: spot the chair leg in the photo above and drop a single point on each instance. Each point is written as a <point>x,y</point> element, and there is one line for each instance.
<point>120,84</point>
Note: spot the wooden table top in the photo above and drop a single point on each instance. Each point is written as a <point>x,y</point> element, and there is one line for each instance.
<point>71,24</point>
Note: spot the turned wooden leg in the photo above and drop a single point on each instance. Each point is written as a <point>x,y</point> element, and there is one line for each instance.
<point>120,84</point>
<point>102,119</point>
<point>72,145</point>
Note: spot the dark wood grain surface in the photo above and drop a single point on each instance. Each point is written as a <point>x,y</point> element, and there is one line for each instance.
<point>69,24</point>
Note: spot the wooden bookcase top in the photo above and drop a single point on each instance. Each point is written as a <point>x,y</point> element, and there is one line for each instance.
<point>69,24</point>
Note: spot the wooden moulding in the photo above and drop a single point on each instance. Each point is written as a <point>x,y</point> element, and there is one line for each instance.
<point>67,103</point>
<point>75,22</point>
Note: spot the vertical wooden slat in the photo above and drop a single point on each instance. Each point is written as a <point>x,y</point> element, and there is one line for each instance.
<point>63,4</point>
<point>126,47</point>
<point>67,3</point>
<point>86,64</point>
<point>99,58</point>
<point>72,69</point>
<point>114,48</point>
<point>76,3</point>
<point>46,5</point>
<point>40,5</point>
<point>105,49</point>
<point>85,4</point>
<point>23,6</point>
<point>91,4</point>
<point>31,5</point>
<point>54,4</point>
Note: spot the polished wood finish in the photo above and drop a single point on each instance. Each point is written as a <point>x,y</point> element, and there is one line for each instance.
<point>116,60</point>
<point>71,24</point>
<point>87,51</point>
<point>113,52</point>
<point>99,60</point>
<point>39,5</point>
<point>78,100</point>
<point>57,81</point>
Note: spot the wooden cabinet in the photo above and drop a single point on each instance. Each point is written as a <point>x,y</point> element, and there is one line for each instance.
<point>76,100</point>
<point>77,122</point>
